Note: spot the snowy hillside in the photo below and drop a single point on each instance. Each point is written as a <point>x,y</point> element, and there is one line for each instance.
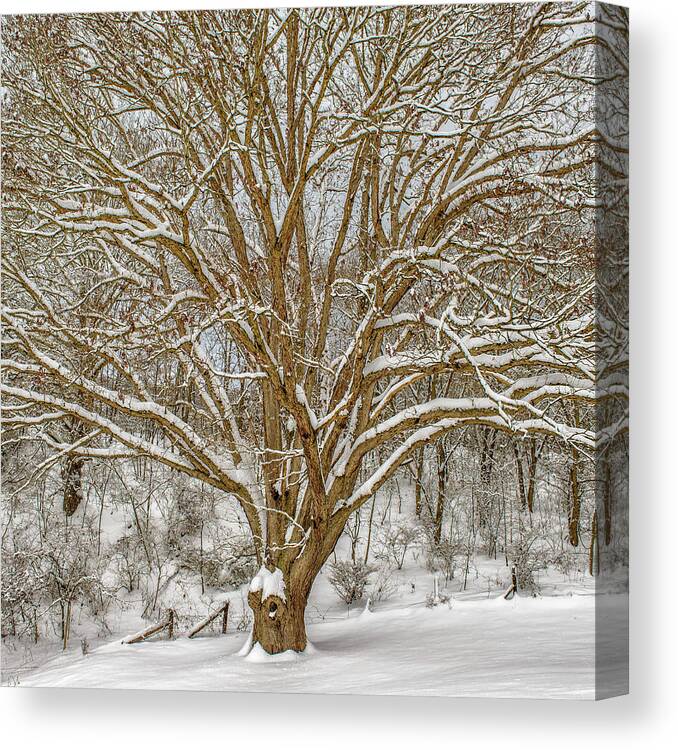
<point>537,648</point>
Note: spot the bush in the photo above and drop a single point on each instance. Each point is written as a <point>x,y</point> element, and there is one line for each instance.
<point>564,561</point>
<point>384,586</point>
<point>395,541</point>
<point>443,556</point>
<point>527,561</point>
<point>230,564</point>
<point>206,564</point>
<point>349,579</point>
<point>129,560</point>
<point>443,598</point>
<point>46,578</point>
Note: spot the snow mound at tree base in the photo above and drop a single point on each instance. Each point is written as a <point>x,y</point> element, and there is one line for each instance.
<point>257,655</point>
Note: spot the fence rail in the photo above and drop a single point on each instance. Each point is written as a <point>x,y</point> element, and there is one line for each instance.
<point>169,625</point>
<point>209,619</point>
<point>152,630</point>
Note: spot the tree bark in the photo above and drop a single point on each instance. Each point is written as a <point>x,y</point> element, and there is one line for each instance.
<point>369,530</point>
<point>532,475</point>
<point>278,624</point>
<point>594,561</point>
<point>521,479</point>
<point>417,482</point>
<point>607,504</point>
<point>278,619</point>
<point>72,474</point>
<point>488,440</point>
<point>442,480</point>
<point>575,507</point>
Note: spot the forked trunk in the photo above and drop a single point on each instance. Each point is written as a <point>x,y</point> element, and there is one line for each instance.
<point>278,623</point>
<point>278,599</point>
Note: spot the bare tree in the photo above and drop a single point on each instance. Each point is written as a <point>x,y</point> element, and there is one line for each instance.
<point>298,218</point>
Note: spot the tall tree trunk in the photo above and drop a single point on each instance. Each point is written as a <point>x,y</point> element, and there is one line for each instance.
<point>278,606</point>
<point>488,439</point>
<point>442,481</point>
<point>369,530</point>
<point>532,475</point>
<point>417,482</point>
<point>71,470</point>
<point>66,624</point>
<point>521,479</point>
<point>594,560</point>
<point>72,475</point>
<point>607,503</point>
<point>575,504</point>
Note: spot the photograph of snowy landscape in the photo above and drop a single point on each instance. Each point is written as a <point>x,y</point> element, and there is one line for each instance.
<point>315,350</point>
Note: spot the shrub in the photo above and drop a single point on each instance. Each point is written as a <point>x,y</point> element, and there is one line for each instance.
<point>349,579</point>
<point>443,598</point>
<point>443,556</point>
<point>527,561</point>
<point>384,586</point>
<point>395,541</point>
<point>564,561</point>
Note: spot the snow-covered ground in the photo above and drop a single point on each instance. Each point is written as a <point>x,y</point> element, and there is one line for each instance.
<point>526,647</point>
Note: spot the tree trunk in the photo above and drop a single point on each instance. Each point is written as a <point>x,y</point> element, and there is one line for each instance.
<point>607,504</point>
<point>594,560</point>
<point>532,475</point>
<point>72,474</point>
<point>279,592</point>
<point>369,530</point>
<point>442,479</point>
<point>575,506</point>
<point>521,480</point>
<point>488,439</point>
<point>66,625</point>
<point>278,624</point>
<point>417,483</point>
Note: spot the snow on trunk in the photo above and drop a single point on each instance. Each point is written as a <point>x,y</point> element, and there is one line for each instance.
<point>278,614</point>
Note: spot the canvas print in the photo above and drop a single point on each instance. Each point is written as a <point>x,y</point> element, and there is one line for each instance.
<point>314,350</point>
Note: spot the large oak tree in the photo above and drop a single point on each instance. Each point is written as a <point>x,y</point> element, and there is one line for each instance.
<point>264,247</point>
